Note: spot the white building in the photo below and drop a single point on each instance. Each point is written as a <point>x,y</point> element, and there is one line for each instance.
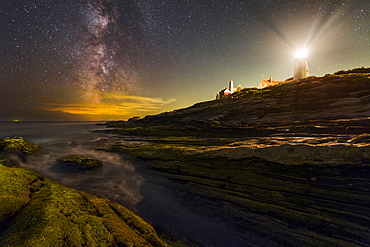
<point>226,91</point>
<point>301,66</point>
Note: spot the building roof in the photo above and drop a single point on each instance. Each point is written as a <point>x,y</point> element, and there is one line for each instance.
<point>268,83</point>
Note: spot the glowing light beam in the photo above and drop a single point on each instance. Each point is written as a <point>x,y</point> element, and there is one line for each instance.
<point>301,53</point>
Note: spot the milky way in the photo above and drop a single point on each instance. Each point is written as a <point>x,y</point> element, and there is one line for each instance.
<point>107,53</point>
<point>101,60</point>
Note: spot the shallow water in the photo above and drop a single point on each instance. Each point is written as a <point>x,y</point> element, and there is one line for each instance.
<point>116,180</point>
<point>173,211</point>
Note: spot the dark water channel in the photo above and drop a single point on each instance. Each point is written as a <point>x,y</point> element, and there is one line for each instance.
<point>176,212</point>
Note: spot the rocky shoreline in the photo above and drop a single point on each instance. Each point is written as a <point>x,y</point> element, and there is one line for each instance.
<point>287,165</point>
<point>283,166</point>
<point>289,194</point>
<point>38,212</point>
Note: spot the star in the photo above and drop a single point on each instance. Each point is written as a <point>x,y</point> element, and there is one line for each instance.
<point>63,53</point>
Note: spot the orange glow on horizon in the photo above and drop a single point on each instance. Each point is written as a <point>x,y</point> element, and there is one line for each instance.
<point>113,106</point>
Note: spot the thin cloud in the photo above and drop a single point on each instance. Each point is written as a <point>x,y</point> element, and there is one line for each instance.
<point>112,105</point>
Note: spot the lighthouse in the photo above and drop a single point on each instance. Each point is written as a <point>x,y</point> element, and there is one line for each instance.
<point>231,87</point>
<point>301,65</point>
<point>226,91</point>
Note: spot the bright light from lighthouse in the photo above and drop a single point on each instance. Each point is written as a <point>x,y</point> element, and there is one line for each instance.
<point>301,54</point>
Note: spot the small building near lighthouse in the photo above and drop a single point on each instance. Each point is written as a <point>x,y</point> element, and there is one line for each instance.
<point>268,83</point>
<point>226,91</point>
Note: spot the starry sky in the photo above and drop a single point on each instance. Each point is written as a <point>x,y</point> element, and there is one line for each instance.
<point>100,60</point>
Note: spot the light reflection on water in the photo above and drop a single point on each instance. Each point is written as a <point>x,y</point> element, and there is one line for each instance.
<point>116,180</point>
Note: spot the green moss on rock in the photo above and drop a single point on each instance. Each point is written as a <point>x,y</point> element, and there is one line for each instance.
<point>18,144</point>
<point>81,162</point>
<point>44,213</point>
<point>14,190</point>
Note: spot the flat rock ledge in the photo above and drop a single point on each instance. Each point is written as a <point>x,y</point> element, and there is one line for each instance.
<point>285,191</point>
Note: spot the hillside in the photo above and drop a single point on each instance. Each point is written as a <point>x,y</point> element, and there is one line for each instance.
<point>310,101</point>
<point>283,166</point>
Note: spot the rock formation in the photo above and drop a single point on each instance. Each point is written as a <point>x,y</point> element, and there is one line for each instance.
<point>288,165</point>
<point>81,162</point>
<point>16,149</point>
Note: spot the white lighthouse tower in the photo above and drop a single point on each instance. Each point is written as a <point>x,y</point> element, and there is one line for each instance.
<point>301,65</point>
<point>231,87</point>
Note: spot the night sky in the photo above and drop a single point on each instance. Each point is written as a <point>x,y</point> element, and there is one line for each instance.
<point>111,60</point>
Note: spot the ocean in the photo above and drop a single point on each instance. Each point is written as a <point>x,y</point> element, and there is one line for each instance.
<point>44,132</point>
